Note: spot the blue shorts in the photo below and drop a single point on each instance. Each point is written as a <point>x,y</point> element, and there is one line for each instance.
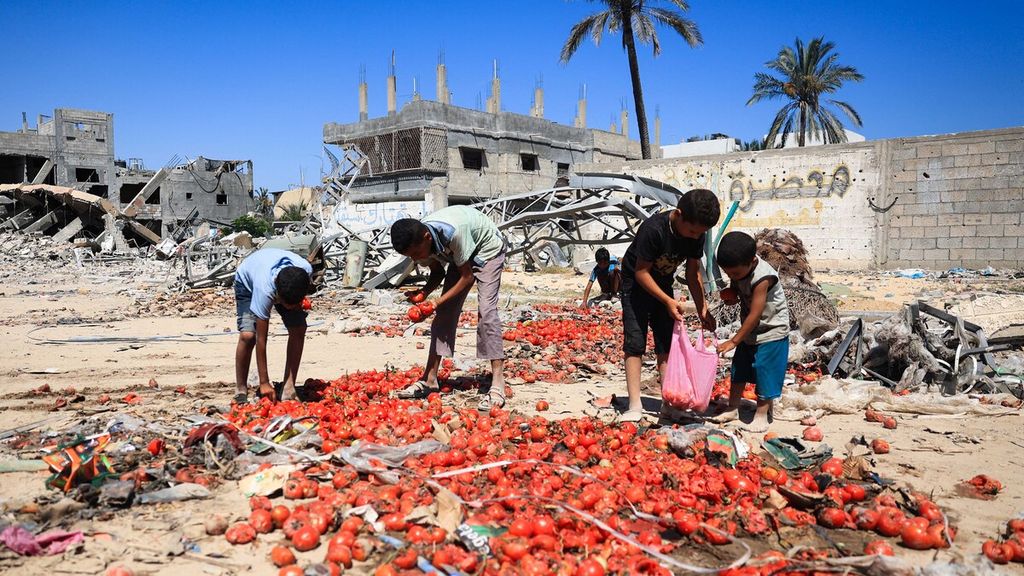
<point>763,364</point>
<point>247,320</point>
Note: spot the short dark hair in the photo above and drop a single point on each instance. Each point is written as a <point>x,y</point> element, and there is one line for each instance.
<point>406,232</point>
<point>602,254</point>
<point>736,249</point>
<point>699,206</point>
<point>292,284</point>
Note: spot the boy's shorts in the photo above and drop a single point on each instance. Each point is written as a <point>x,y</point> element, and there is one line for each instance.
<point>247,320</point>
<point>640,310</point>
<point>763,364</point>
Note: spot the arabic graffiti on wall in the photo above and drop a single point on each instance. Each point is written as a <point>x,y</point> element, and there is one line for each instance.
<point>364,216</point>
<point>747,189</point>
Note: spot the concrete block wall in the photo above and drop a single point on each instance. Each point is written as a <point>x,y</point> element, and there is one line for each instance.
<point>956,200</point>
<point>820,193</point>
<point>959,200</point>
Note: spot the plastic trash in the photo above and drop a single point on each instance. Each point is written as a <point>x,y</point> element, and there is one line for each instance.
<point>690,371</point>
<point>793,454</point>
<point>176,493</point>
<point>359,455</point>
<point>718,440</point>
<point>22,542</point>
<point>912,273</point>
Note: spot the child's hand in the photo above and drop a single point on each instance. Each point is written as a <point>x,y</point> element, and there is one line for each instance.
<point>675,310</point>
<point>707,321</point>
<point>724,347</point>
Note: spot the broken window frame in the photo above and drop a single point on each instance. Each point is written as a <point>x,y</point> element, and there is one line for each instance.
<point>469,153</point>
<point>529,162</point>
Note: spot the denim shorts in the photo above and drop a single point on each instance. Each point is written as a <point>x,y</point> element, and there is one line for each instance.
<point>247,320</point>
<point>640,310</point>
<point>763,364</point>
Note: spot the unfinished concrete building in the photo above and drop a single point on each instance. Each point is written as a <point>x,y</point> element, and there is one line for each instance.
<point>75,149</point>
<point>441,153</point>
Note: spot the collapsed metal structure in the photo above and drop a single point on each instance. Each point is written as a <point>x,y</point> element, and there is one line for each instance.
<point>593,209</point>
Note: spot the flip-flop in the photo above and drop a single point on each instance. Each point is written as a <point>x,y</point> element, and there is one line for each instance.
<point>488,402</point>
<point>240,398</point>
<point>415,391</point>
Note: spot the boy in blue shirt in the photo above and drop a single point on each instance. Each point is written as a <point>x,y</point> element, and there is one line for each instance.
<point>608,277</point>
<point>762,342</point>
<point>270,278</point>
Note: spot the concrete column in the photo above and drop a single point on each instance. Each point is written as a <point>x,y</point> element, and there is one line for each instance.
<point>363,102</point>
<point>657,131</point>
<point>496,94</point>
<point>42,224</point>
<point>624,116</point>
<point>538,102</point>
<point>442,84</point>
<point>18,221</point>
<point>44,171</point>
<point>392,96</point>
<point>613,128</point>
<point>581,113</point>
<point>65,233</point>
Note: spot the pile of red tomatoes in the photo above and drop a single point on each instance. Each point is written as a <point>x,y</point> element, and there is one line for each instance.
<point>551,349</point>
<point>614,474</point>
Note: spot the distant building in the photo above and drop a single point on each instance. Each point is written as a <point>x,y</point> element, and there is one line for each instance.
<point>717,144</point>
<point>75,148</point>
<point>792,139</point>
<point>446,153</point>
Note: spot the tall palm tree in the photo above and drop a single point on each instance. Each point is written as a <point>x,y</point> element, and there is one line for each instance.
<point>635,20</point>
<point>806,73</point>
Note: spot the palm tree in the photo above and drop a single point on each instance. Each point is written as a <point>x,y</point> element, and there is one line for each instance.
<point>295,212</point>
<point>264,204</point>
<point>635,19</point>
<point>806,73</point>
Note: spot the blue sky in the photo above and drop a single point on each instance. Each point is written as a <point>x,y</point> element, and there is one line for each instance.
<point>259,79</point>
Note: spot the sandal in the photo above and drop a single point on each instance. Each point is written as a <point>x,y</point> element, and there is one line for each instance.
<point>415,391</point>
<point>631,416</point>
<point>490,401</point>
<point>240,398</point>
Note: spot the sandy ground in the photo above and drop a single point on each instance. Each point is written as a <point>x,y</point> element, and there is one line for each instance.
<point>929,454</point>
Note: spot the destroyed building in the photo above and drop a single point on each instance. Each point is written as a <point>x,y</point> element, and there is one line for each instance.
<point>74,149</point>
<point>438,152</point>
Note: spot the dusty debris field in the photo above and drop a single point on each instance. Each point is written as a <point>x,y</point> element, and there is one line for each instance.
<point>180,366</point>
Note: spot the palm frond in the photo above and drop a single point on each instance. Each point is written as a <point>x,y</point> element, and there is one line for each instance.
<point>581,30</point>
<point>644,31</point>
<point>783,117</point>
<point>684,27</point>
<point>848,110</point>
<point>831,126</point>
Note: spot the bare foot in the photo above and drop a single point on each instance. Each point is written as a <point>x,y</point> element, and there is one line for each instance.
<point>757,425</point>
<point>289,392</point>
<point>631,416</point>
<point>727,416</point>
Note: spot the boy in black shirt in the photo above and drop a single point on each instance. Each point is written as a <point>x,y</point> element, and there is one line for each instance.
<point>661,244</point>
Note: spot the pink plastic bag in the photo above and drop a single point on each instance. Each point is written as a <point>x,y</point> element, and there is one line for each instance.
<point>690,372</point>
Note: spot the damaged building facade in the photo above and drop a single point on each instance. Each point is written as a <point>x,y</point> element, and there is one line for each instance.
<point>439,153</point>
<point>74,149</point>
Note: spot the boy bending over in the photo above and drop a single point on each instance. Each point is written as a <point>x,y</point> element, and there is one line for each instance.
<point>662,243</point>
<point>762,342</point>
<point>607,275</point>
<point>473,249</point>
<point>270,278</point>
